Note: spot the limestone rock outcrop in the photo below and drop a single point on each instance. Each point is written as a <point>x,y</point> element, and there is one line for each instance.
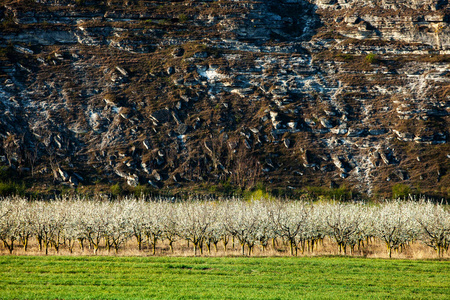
<point>174,94</point>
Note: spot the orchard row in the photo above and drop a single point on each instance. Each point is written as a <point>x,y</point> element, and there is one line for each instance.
<point>212,224</point>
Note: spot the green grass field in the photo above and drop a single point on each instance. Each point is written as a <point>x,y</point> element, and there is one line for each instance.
<point>107,277</point>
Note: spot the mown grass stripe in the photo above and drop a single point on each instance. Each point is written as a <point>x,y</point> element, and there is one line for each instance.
<point>30,277</point>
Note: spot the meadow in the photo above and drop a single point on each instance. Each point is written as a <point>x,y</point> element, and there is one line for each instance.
<point>112,277</point>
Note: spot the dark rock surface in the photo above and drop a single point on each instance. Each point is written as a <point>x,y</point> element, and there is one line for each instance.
<point>184,94</point>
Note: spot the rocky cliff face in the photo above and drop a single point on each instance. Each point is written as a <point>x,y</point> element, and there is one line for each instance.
<point>184,94</point>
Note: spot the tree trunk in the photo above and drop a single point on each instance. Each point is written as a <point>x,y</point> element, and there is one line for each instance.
<point>225,243</point>
<point>274,244</point>
<point>11,247</point>
<point>116,247</point>
<point>25,243</point>
<point>107,244</point>
<point>39,238</point>
<point>46,242</point>
<point>208,246</point>
<point>81,242</point>
<point>70,243</point>
<point>56,243</point>
<point>155,239</point>
<point>139,241</point>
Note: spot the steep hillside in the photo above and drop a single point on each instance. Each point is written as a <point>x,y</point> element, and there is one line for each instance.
<point>293,95</point>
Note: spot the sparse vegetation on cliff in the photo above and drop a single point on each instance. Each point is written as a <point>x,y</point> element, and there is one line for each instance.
<point>217,96</point>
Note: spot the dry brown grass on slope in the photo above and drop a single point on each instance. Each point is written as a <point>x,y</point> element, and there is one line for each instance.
<point>376,249</point>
